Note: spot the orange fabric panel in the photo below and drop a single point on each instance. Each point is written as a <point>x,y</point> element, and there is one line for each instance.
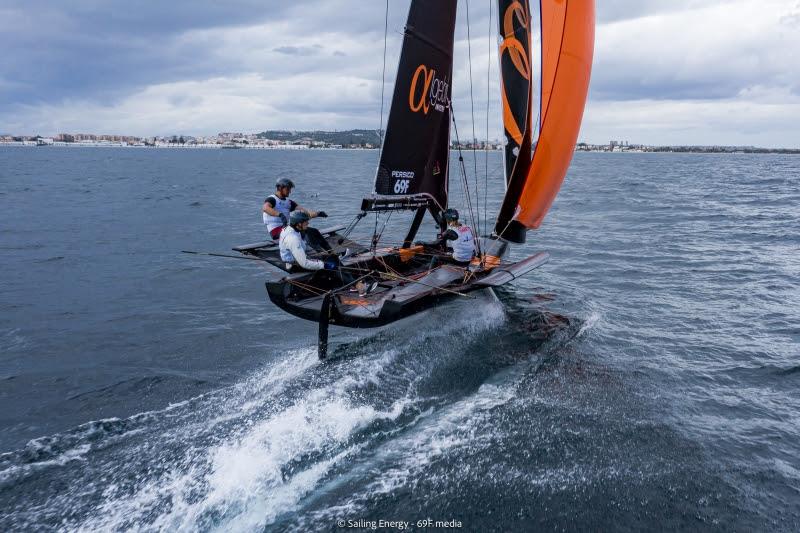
<point>406,254</point>
<point>553,13</point>
<point>567,50</point>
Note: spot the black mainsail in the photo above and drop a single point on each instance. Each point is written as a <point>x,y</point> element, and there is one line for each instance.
<point>415,152</point>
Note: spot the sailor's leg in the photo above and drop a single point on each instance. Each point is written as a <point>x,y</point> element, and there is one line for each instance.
<point>315,239</point>
<point>275,233</point>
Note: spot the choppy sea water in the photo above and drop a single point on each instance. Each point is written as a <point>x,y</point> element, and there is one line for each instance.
<point>646,378</point>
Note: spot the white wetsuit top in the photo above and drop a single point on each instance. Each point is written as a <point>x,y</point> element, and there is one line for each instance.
<point>283,206</point>
<point>464,245</point>
<point>293,250</point>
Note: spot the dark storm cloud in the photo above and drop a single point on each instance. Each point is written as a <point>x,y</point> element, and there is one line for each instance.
<point>103,51</point>
<point>208,66</point>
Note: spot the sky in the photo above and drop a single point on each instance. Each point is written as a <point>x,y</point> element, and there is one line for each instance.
<point>703,72</point>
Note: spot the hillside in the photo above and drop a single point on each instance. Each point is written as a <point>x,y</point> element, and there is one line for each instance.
<point>344,138</point>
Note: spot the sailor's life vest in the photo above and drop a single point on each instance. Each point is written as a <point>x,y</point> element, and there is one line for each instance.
<point>282,205</point>
<point>464,245</point>
<point>293,250</point>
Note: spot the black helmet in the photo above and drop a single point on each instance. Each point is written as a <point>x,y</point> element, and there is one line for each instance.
<point>450,215</point>
<point>284,182</point>
<point>298,217</point>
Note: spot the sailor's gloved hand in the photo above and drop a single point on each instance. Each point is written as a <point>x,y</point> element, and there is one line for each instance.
<point>331,264</point>
<point>284,219</point>
<point>322,214</point>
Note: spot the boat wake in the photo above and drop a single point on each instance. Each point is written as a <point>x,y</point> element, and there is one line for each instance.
<point>300,435</point>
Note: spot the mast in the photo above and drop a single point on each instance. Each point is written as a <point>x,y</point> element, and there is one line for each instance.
<point>413,167</point>
<point>567,50</point>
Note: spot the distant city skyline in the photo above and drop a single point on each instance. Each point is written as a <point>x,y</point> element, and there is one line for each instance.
<point>347,139</point>
<point>688,72</point>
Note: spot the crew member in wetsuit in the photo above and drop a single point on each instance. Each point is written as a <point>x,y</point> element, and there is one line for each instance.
<point>463,240</point>
<point>293,246</point>
<point>277,209</point>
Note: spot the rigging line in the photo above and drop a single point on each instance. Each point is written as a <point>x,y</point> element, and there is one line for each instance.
<point>510,220</point>
<point>347,286</point>
<point>387,267</point>
<point>373,312</point>
<point>310,288</point>
<point>353,224</point>
<point>383,75</point>
<point>464,175</point>
<point>383,228</point>
<point>410,280</point>
<point>488,104</point>
<point>474,137</point>
<point>374,244</point>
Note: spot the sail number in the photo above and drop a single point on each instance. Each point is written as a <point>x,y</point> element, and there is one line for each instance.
<point>401,186</point>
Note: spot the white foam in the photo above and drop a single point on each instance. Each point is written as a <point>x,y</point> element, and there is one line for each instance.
<point>591,321</point>
<point>16,472</point>
<point>248,479</point>
<point>438,435</point>
<point>263,446</point>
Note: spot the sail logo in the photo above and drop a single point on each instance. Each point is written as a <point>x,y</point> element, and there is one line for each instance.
<point>403,181</point>
<point>434,91</point>
<point>517,52</point>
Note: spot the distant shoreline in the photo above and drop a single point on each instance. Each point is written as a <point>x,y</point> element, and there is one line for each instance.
<point>291,148</point>
<point>287,148</point>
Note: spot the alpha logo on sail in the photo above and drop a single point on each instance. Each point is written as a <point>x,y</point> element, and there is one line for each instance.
<point>435,91</point>
<point>517,52</point>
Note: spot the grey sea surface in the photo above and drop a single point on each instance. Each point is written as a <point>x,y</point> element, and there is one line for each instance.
<point>646,378</point>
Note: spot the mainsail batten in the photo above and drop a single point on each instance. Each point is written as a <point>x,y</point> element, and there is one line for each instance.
<point>415,154</point>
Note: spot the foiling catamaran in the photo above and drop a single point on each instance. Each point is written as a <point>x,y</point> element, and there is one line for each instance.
<point>413,172</point>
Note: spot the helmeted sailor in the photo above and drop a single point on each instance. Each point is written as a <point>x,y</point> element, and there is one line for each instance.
<point>463,240</point>
<point>278,207</point>
<point>293,247</point>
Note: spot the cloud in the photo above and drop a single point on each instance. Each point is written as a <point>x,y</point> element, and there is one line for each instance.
<point>713,52</point>
<point>298,50</point>
<point>706,70</point>
<point>758,117</point>
<point>219,104</point>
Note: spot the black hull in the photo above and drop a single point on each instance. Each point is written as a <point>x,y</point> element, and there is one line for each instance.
<point>395,283</point>
<point>395,301</point>
<point>390,311</point>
